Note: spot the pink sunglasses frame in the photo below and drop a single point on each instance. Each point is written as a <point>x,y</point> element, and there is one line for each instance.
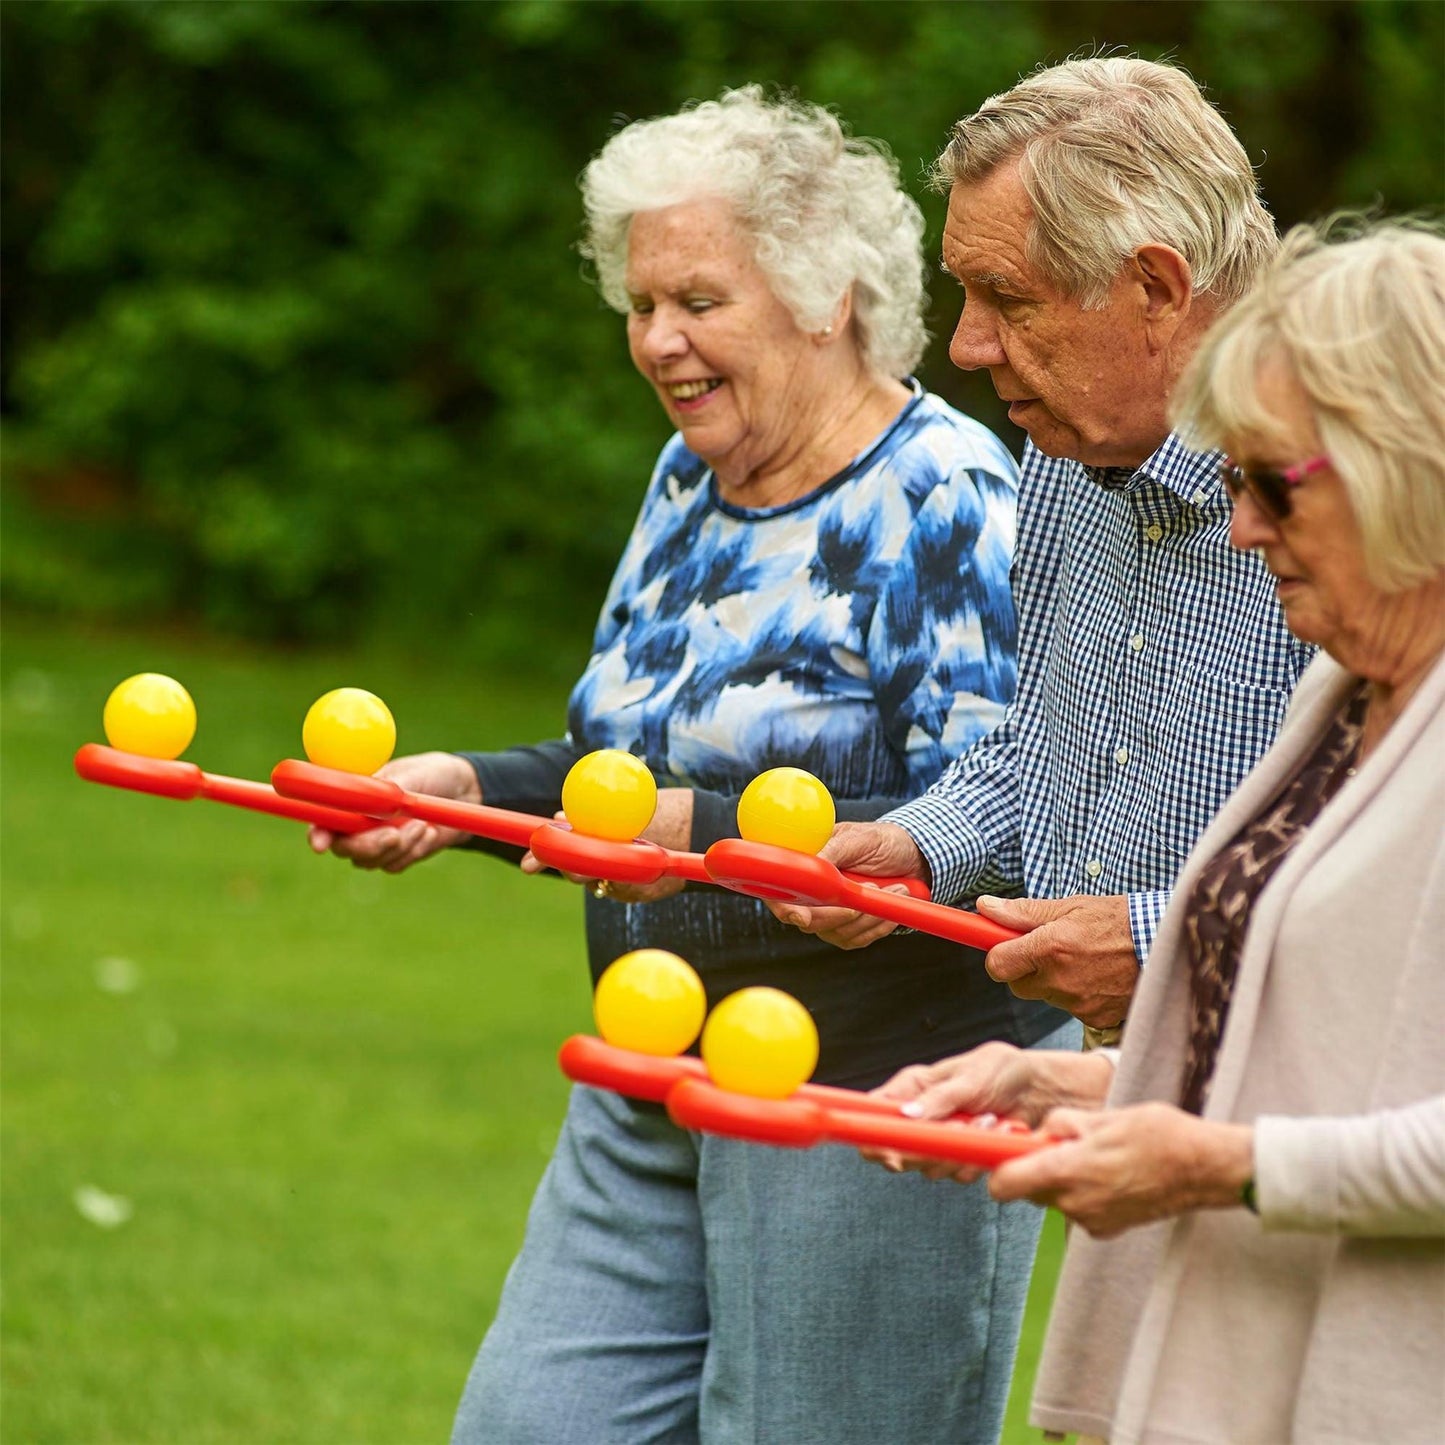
<point>1272,500</point>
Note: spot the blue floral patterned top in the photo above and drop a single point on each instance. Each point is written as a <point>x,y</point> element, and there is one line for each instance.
<point>865,632</point>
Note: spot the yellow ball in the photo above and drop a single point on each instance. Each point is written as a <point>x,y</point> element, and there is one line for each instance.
<point>787,808</point>
<point>760,1041</point>
<point>350,730</point>
<point>609,794</point>
<point>651,1001</point>
<point>150,714</point>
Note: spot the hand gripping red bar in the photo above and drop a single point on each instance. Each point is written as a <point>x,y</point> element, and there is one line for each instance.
<point>555,844</point>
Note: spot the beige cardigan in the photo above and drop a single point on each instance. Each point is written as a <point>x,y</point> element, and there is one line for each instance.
<point>1323,1320</point>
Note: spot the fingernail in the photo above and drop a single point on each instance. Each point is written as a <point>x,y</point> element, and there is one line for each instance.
<point>988,898</point>
<point>795,919</point>
<point>913,1109</point>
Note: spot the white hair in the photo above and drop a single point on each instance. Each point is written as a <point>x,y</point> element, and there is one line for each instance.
<point>825,212</point>
<point>1117,153</point>
<point>1356,311</point>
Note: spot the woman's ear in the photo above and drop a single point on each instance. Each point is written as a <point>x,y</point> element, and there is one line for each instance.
<point>842,315</point>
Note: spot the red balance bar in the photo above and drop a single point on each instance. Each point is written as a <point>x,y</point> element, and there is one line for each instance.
<point>554,844</point>
<point>171,778</point>
<point>800,1123</point>
<point>644,862</point>
<point>781,874</point>
<point>813,1114</point>
<point>586,1059</point>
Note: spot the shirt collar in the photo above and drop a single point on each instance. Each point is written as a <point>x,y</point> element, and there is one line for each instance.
<point>1192,476</point>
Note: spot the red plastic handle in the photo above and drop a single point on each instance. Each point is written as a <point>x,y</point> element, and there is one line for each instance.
<point>916,887</point>
<point>639,862</point>
<point>756,869</point>
<point>384,800</point>
<point>171,778</point>
<point>800,1123</point>
<point>801,878</point>
<point>586,1059</point>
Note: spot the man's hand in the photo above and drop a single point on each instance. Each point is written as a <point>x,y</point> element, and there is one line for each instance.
<point>997,1080</point>
<point>1077,954</point>
<point>1119,1168</point>
<point>882,850</point>
<point>395,847</point>
<point>671,827</point>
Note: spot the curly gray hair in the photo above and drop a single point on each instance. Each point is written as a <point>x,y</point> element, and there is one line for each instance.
<point>1115,153</point>
<point>825,211</point>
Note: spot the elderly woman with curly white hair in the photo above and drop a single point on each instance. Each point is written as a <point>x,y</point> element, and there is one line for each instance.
<point>819,577</point>
<point>1271,1145</point>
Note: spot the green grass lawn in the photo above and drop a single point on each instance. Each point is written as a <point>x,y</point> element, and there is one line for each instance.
<point>325,1095</point>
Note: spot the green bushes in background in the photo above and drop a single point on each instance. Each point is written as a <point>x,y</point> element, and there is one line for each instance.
<point>296,340</point>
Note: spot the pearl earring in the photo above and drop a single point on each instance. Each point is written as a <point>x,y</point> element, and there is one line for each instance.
<point>827,331</point>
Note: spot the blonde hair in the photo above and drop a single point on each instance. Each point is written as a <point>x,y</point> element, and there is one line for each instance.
<point>1356,311</point>
<point>1116,153</point>
<point>825,212</point>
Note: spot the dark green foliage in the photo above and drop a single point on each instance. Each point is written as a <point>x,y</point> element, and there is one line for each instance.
<point>296,341</point>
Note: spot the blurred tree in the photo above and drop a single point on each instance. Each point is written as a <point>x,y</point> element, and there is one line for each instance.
<point>295,337</point>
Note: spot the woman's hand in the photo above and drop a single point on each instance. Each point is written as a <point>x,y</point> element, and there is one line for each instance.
<point>1120,1168</point>
<point>395,847</point>
<point>671,827</point>
<point>994,1079</point>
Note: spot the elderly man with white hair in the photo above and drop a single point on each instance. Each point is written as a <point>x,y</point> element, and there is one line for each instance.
<point>1260,1184</point>
<point>1101,216</point>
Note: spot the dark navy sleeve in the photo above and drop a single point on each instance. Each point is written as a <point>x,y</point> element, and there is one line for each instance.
<point>525,779</point>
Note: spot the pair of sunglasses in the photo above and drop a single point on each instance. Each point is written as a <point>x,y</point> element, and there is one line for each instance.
<point>1270,490</point>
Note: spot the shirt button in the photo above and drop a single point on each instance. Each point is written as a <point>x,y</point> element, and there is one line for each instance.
<point>1121,756</point>
<point>1198,499</point>
<point>1154,533</point>
<point>1093,868</point>
<point>1137,642</point>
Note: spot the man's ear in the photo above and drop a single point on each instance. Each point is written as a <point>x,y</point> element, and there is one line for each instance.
<point>1166,285</point>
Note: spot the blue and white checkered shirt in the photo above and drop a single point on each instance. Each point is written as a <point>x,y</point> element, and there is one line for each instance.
<point>1154,670</point>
